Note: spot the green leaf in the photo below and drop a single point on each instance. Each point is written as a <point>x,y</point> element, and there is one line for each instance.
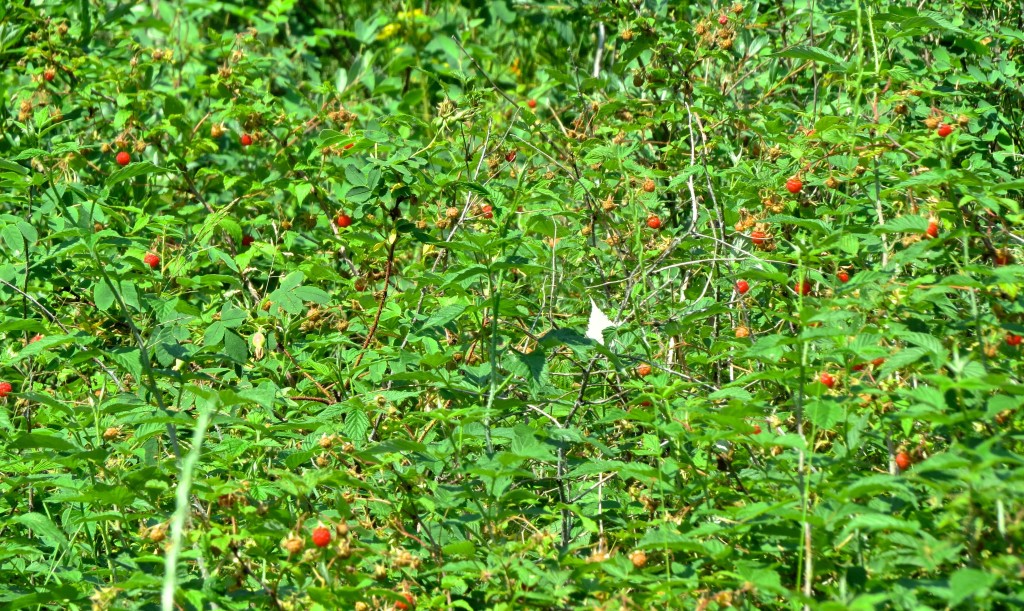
<point>130,295</point>
<point>459,548</point>
<point>357,423</point>
<point>928,342</point>
<point>910,223</point>
<point>10,166</point>
<point>926,179</point>
<point>731,393</point>
<point>823,413</point>
<point>214,334</point>
<point>444,315</point>
<point>812,54</point>
<point>37,441</point>
<point>134,170</point>
<point>14,239</point>
<point>966,583</point>
<point>848,244</point>
<point>232,317</point>
<point>1013,185</point>
<point>877,521</point>
<point>235,347</point>
<point>43,528</point>
<point>301,191</point>
<point>102,295</point>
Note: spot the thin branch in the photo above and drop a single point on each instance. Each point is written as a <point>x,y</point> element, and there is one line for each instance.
<point>484,72</point>
<point>389,266</point>
<point>319,386</point>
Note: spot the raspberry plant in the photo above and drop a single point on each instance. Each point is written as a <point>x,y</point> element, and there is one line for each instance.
<point>373,258</point>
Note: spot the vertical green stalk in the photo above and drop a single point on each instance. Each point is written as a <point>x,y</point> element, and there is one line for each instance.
<point>493,358</point>
<point>975,314</point>
<point>181,510</point>
<point>874,42</point>
<point>805,570</point>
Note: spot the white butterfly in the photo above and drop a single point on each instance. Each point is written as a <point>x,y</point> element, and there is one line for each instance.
<point>599,321</point>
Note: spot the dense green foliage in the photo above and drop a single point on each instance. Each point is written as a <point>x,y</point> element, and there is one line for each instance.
<point>332,262</point>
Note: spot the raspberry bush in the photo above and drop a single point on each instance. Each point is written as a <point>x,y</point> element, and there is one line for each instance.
<point>270,267</point>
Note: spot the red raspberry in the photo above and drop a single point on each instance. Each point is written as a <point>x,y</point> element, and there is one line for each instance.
<point>654,222</point>
<point>408,603</point>
<point>843,276</point>
<point>944,130</point>
<point>246,139</point>
<point>903,461</point>
<point>487,211</point>
<point>794,185</point>
<point>5,389</point>
<point>827,379</point>
<point>933,229</point>
<point>1012,340</point>
<point>151,260</point>
<point>343,220</point>
<point>742,286</point>
<point>532,104</point>
<point>803,288</point>
<point>321,536</point>
<point>123,158</point>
